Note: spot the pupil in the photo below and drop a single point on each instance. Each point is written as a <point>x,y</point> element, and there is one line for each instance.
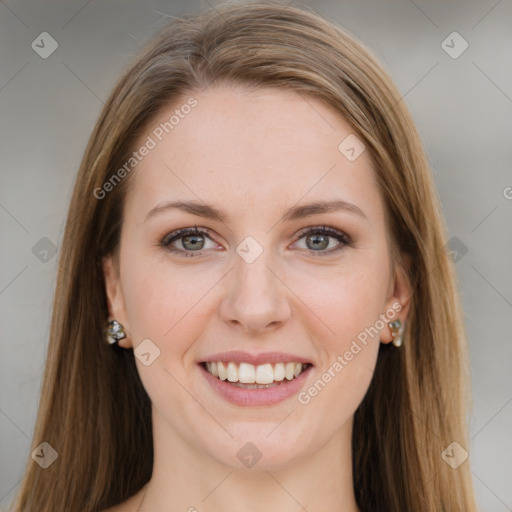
<point>195,241</point>
<point>324,242</point>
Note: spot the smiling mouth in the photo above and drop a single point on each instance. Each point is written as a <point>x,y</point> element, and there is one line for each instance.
<point>249,376</point>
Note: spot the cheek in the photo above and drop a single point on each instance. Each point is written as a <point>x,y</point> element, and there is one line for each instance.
<point>344,318</point>
<point>165,304</point>
<point>350,307</point>
<point>343,300</point>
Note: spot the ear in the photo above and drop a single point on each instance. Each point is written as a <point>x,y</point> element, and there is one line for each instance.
<point>400,297</point>
<point>115,298</point>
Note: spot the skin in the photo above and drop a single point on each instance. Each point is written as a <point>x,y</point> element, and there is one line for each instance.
<point>253,154</point>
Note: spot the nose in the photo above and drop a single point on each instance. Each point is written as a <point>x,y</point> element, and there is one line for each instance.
<point>255,299</point>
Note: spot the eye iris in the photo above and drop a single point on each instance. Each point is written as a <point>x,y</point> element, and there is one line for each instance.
<point>321,241</point>
<point>196,241</point>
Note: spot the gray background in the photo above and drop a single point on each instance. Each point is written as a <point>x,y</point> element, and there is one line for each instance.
<point>461,105</point>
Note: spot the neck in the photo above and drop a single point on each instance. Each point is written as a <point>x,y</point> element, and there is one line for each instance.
<point>185,479</point>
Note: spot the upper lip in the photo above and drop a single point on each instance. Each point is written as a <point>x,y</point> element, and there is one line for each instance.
<point>239,356</point>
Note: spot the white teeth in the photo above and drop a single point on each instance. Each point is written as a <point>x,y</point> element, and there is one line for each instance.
<point>289,371</point>
<point>264,374</point>
<point>232,372</point>
<point>246,373</point>
<point>222,371</point>
<point>279,372</point>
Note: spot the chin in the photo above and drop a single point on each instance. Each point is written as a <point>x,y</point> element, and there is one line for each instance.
<point>260,446</point>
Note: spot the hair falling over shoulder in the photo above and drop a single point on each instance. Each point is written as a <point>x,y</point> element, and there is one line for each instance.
<point>94,410</point>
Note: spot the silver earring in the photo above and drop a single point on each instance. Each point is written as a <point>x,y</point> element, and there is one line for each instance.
<point>115,332</point>
<point>397,331</point>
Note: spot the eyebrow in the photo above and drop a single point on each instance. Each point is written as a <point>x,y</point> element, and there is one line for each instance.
<point>297,212</point>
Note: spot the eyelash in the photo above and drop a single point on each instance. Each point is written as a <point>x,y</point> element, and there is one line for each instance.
<point>345,240</point>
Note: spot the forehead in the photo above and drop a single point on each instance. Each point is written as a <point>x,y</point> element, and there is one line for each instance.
<point>251,149</point>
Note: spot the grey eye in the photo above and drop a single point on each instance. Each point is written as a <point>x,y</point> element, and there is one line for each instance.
<point>320,242</point>
<point>192,242</point>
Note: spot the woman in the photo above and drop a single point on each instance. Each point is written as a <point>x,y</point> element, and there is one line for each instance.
<point>255,308</point>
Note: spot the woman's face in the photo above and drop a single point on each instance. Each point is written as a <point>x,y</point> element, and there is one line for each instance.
<point>258,288</point>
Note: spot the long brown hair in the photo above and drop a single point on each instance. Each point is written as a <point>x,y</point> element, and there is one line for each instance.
<point>94,410</point>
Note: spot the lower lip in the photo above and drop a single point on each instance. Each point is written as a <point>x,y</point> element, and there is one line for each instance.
<point>253,397</point>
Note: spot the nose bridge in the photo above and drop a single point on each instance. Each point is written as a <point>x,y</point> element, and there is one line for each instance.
<point>255,297</point>
<point>254,283</point>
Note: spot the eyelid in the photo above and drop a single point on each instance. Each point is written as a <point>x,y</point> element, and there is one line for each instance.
<point>324,229</point>
<point>343,239</point>
<point>183,232</point>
